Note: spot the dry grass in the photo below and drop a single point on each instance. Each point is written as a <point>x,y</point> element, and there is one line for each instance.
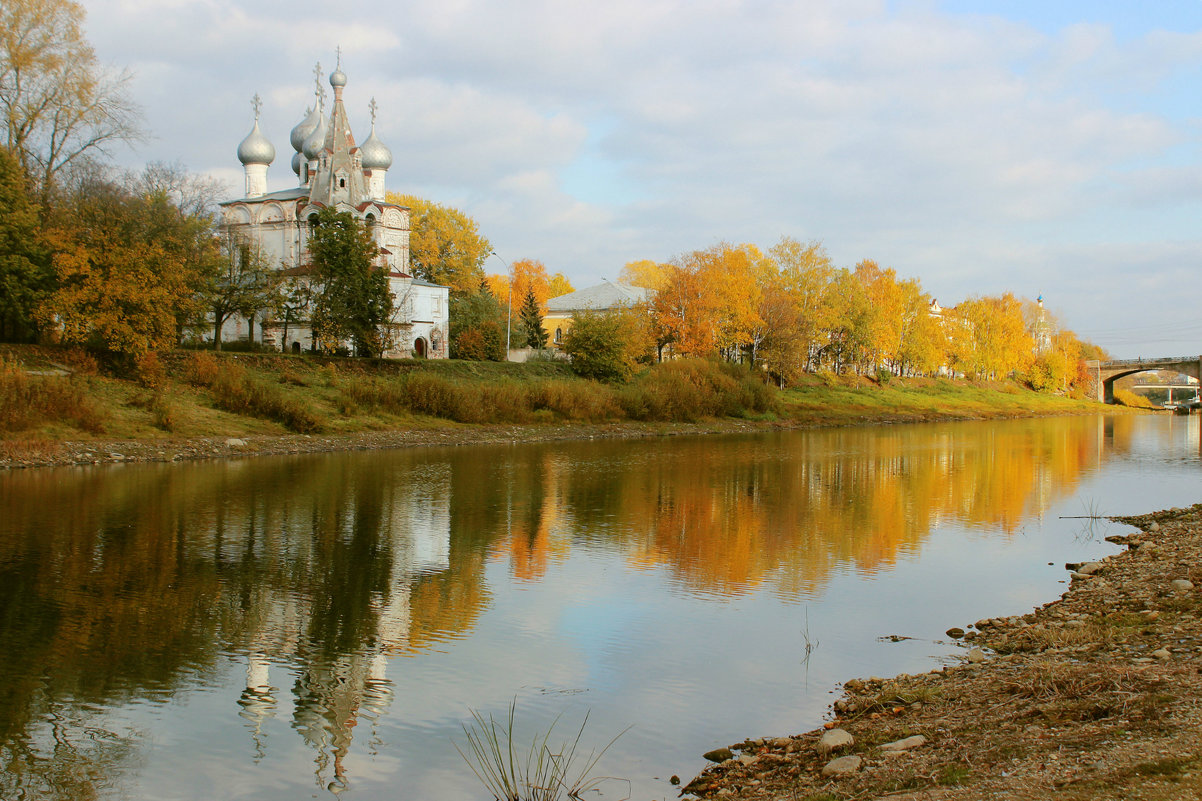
<point>30,400</point>
<point>235,390</point>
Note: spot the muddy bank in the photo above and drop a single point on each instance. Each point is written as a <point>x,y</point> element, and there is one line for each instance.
<point>40,453</point>
<point>1098,694</point>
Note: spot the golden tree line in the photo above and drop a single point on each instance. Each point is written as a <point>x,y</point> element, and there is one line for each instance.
<point>791,311</point>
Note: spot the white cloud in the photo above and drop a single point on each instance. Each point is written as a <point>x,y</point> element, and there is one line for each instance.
<point>956,149</point>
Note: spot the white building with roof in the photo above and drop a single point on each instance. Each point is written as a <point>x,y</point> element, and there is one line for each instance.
<point>606,296</point>
<point>333,172</point>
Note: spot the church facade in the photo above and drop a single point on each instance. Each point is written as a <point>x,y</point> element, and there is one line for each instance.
<point>332,172</point>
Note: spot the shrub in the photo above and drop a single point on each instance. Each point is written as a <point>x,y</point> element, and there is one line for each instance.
<point>235,390</point>
<point>573,400</point>
<point>149,370</point>
<point>1128,398</point>
<point>606,346</point>
<point>689,389</point>
<point>201,369</point>
<point>27,401</point>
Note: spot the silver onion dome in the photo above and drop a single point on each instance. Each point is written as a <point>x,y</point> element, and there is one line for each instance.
<point>298,160</point>
<point>375,154</point>
<point>316,140</point>
<point>338,78</point>
<point>255,149</point>
<point>305,127</point>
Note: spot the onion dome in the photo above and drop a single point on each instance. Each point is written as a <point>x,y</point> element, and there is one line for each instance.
<point>316,140</point>
<point>375,154</point>
<point>305,127</point>
<point>255,149</point>
<point>338,78</point>
<point>298,160</point>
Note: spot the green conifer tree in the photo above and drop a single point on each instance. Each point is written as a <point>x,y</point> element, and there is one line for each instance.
<point>532,321</point>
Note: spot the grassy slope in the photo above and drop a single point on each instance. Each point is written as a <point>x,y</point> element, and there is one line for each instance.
<point>127,410</point>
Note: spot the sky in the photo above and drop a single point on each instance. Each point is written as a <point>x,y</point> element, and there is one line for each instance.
<point>1024,146</point>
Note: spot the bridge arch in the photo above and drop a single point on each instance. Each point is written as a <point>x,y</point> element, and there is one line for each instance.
<point>1106,373</point>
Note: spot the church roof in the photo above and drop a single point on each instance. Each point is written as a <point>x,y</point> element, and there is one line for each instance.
<point>607,295</point>
<point>294,193</point>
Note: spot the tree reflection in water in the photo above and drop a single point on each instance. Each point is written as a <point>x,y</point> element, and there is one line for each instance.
<point>137,582</point>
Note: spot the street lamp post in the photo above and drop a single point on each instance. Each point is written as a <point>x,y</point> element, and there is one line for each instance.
<point>509,311</point>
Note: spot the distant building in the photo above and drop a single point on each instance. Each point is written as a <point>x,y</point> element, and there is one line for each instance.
<point>606,296</point>
<point>333,172</point>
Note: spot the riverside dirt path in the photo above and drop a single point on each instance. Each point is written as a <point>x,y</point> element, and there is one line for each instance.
<point>1097,694</point>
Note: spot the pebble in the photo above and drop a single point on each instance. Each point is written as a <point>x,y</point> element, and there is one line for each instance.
<point>976,655</point>
<point>1154,527</point>
<point>1162,653</point>
<point>1089,568</point>
<point>955,633</point>
<point>719,755</point>
<point>843,766</point>
<point>904,744</point>
<point>1182,584</point>
<point>835,739</point>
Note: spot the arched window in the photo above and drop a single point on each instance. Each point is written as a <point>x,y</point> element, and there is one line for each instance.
<point>558,336</point>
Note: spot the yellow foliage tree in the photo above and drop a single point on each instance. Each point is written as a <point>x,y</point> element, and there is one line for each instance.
<point>528,275</point>
<point>445,245</point>
<point>644,273</point>
<point>129,271</point>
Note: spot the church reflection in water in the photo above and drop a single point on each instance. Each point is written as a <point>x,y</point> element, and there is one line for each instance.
<point>318,573</point>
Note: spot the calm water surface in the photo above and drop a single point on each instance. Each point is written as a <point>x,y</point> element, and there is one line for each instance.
<point>292,628</point>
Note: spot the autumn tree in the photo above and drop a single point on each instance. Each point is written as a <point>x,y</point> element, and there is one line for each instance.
<point>59,104</point>
<point>804,272</point>
<point>783,348</point>
<point>922,344</point>
<point>849,329</point>
<point>26,276</point>
<point>353,300</point>
<point>129,270</point>
<point>684,310</point>
<point>643,273</point>
<point>445,245</point>
<point>528,275</point>
<point>995,341</point>
<point>884,313</point>
<point>532,322</point>
<point>241,282</point>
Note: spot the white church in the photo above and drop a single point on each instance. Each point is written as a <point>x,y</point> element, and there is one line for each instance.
<point>333,172</point>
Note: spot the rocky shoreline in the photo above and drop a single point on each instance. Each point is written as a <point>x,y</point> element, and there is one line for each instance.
<point>1097,694</point>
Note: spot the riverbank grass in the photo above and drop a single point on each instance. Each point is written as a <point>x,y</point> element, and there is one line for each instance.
<point>54,394</point>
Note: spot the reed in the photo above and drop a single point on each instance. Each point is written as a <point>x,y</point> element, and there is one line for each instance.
<point>538,773</point>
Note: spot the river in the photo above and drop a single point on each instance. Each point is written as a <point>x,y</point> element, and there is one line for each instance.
<point>301,627</point>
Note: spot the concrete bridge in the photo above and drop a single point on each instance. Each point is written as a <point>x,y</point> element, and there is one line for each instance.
<point>1106,373</point>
